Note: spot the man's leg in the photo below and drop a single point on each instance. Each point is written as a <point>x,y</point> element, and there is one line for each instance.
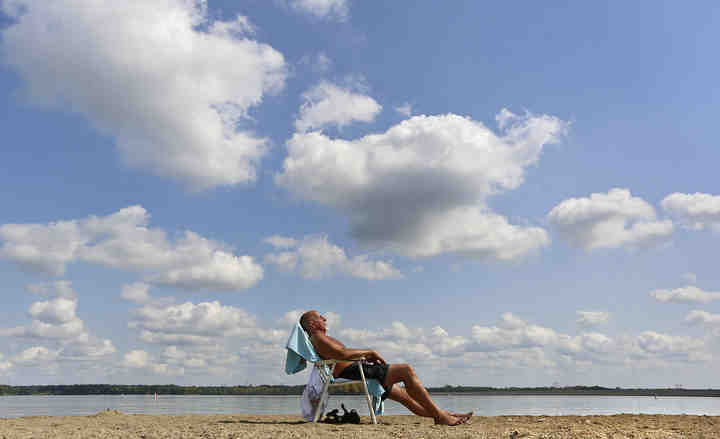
<point>419,401</point>
<point>399,394</point>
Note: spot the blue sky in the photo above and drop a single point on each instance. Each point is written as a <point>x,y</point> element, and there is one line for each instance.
<point>513,194</point>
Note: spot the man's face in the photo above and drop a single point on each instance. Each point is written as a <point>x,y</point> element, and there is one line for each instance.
<point>318,322</point>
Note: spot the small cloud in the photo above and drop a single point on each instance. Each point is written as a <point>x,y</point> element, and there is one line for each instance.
<point>689,294</point>
<point>404,109</point>
<point>278,241</point>
<point>589,319</point>
<point>315,257</point>
<point>703,317</point>
<point>137,292</point>
<point>337,10</point>
<point>328,104</point>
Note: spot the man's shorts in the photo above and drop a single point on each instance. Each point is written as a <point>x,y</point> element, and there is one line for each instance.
<point>375,371</point>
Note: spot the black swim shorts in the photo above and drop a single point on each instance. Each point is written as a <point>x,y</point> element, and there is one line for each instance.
<point>375,371</point>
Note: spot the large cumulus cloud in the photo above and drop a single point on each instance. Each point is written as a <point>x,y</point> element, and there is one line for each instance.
<point>144,72</point>
<point>421,187</point>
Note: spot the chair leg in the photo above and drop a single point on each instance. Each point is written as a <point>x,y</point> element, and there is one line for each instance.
<point>321,402</point>
<point>367,395</point>
<point>324,396</point>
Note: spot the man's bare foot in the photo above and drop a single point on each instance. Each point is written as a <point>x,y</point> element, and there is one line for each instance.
<point>467,415</point>
<point>448,419</point>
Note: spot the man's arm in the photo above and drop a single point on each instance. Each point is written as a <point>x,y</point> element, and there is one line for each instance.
<point>332,349</point>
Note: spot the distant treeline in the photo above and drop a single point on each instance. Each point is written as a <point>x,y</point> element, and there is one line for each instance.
<point>171,389</point>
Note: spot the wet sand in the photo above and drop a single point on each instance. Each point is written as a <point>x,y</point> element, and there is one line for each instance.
<point>113,424</point>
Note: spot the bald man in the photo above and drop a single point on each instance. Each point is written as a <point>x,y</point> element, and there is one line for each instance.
<point>414,396</point>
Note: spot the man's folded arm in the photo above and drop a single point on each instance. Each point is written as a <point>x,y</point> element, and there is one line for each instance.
<point>333,350</point>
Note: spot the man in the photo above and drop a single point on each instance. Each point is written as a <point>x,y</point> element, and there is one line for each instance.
<point>414,396</point>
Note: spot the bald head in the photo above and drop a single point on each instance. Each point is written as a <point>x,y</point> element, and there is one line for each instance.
<point>312,321</point>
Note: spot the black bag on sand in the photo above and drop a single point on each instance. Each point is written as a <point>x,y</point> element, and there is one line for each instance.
<point>348,417</point>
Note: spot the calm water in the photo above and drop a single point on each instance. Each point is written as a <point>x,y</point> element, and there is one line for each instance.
<point>483,405</point>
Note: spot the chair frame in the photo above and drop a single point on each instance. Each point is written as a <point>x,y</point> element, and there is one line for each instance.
<point>328,382</point>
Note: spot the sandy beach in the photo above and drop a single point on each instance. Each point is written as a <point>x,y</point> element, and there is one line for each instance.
<point>113,424</point>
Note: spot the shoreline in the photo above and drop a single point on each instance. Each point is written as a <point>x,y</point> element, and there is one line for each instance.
<point>114,424</point>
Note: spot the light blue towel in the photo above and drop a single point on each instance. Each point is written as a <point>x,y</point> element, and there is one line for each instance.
<point>300,350</point>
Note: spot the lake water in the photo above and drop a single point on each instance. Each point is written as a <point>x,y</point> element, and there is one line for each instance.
<point>482,405</point>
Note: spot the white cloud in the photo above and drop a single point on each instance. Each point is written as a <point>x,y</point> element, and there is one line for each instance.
<point>124,240</point>
<point>608,220</point>
<point>689,294</point>
<point>290,318</point>
<point>91,349</point>
<point>223,271</point>
<point>404,109</point>
<point>703,317</point>
<point>515,343</point>
<point>327,9</point>
<point>142,360</point>
<point>278,241</point>
<point>512,333</point>
<point>55,321</point>
<point>35,356</point>
<point>169,94</point>
<point>136,359</point>
<point>668,346</point>
<point>52,320</point>
<point>315,257</point>
<point>421,187</point>
<point>327,104</point>
<point>136,292</point>
<point>74,329</point>
<point>173,353</point>
<point>696,211</point>
<point>5,366</point>
<point>589,319</point>
<point>190,323</point>
<point>56,311</point>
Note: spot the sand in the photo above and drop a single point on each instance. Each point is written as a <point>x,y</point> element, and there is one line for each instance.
<point>113,424</point>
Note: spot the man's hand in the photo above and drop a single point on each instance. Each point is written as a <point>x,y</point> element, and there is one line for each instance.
<point>373,357</point>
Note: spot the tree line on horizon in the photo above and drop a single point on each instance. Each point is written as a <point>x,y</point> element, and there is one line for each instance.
<point>264,389</point>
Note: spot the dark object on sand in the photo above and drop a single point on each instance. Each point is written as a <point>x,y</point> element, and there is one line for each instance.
<point>348,417</point>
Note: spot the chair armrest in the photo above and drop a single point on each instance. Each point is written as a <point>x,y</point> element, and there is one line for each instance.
<point>325,362</point>
<point>331,362</point>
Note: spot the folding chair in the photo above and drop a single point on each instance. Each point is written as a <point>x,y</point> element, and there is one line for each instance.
<point>300,350</point>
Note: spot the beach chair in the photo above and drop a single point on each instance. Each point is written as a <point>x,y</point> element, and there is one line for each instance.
<point>300,351</point>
